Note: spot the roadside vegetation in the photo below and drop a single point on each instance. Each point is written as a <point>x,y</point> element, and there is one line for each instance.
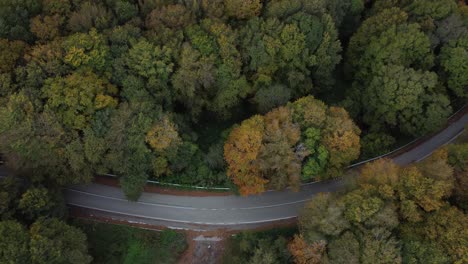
<point>391,214</point>
<point>110,243</point>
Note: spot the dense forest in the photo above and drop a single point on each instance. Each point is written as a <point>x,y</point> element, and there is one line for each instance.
<point>250,94</point>
<point>154,89</point>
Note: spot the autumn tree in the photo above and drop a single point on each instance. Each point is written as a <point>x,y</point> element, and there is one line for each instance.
<point>304,253</point>
<point>241,150</point>
<point>77,97</point>
<point>243,9</point>
<point>278,159</point>
<point>341,138</point>
<point>90,15</point>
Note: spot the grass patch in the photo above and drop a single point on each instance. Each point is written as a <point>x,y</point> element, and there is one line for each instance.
<point>250,246</point>
<point>110,244</point>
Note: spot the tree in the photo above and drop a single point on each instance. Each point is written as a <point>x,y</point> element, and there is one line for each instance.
<point>172,16</point>
<point>14,245</point>
<point>443,234</point>
<point>149,61</point>
<point>12,51</point>
<point>309,112</point>
<point>53,241</point>
<point>46,27</point>
<point>9,191</point>
<point>163,135</point>
<point>418,192</point>
<point>241,150</point>
<point>14,18</point>
<point>76,98</point>
<point>379,246</point>
<point>35,201</point>
<point>341,138</point>
<point>271,97</point>
<point>321,217</point>
<point>86,50</point>
<point>125,10</point>
<point>373,26</point>
<point>397,97</point>
<point>243,9</point>
<point>277,158</point>
<point>304,253</point>
<point>344,249</point>
<point>90,15</point>
<point>376,143</point>
<point>454,60</point>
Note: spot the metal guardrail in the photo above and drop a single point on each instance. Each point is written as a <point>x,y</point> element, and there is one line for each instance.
<point>176,185</point>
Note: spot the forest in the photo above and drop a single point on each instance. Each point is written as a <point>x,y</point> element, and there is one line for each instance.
<point>247,94</point>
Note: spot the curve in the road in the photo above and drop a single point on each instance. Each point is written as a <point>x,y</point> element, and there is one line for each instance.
<point>229,212</point>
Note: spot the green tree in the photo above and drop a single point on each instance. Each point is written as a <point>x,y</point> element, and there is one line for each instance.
<point>454,60</point>
<point>14,245</point>
<point>77,97</point>
<point>35,201</point>
<point>397,97</point>
<point>53,241</point>
<point>86,50</point>
<point>14,18</point>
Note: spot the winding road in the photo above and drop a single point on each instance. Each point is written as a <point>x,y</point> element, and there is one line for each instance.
<point>226,212</point>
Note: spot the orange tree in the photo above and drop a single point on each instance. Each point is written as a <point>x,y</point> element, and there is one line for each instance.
<point>304,140</point>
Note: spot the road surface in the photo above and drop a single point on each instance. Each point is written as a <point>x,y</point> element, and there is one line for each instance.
<point>229,212</point>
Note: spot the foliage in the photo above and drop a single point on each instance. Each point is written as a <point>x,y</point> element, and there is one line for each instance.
<point>390,214</point>
<point>454,57</point>
<point>376,144</point>
<point>241,150</point>
<point>90,15</point>
<point>14,246</point>
<point>54,241</point>
<point>326,138</point>
<point>35,201</point>
<point>14,18</point>
<point>259,247</point>
<point>243,9</point>
<point>109,243</point>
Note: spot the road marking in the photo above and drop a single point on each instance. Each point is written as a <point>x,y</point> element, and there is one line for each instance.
<point>191,208</point>
<point>184,222</point>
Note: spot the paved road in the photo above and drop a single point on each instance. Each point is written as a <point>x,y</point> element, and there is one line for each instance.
<point>230,212</point>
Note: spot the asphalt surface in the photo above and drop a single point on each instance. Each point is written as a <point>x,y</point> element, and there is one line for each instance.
<point>229,212</point>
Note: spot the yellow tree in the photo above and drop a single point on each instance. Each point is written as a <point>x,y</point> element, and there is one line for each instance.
<point>241,151</point>
<point>304,253</point>
<point>341,138</point>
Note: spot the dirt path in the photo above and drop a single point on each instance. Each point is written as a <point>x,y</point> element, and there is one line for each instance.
<point>204,248</point>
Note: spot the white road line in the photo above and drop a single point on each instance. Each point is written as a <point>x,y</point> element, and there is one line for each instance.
<point>181,221</point>
<point>191,208</point>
